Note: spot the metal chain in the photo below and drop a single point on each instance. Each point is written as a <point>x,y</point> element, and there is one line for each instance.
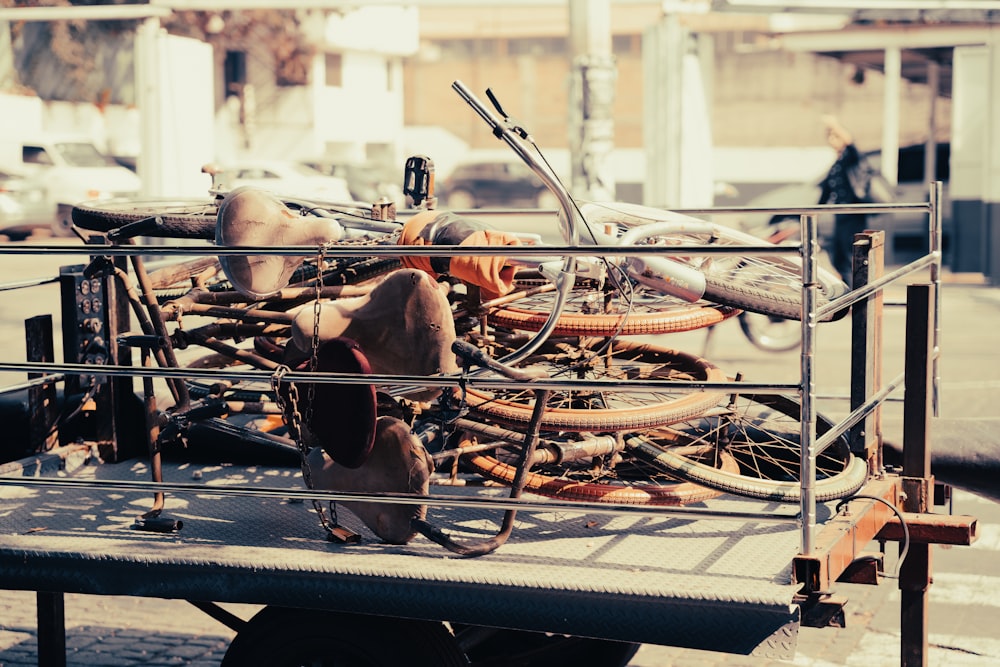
<point>314,348</point>
<point>293,420</point>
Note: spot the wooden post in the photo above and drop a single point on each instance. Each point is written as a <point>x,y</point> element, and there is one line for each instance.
<point>866,346</point>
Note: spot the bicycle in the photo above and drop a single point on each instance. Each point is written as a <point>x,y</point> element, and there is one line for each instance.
<point>638,226</point>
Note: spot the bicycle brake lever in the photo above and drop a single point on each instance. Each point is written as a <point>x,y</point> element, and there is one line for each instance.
<point>496,103</point>
<point>511,123</point>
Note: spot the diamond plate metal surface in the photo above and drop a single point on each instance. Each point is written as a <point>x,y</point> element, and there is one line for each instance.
<point>651,579</point>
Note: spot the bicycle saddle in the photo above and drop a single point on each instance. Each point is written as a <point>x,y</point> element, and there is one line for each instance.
<point>341,417</point>
<point>250,216</point>
<point>398,463</point>
<point>404,326</point>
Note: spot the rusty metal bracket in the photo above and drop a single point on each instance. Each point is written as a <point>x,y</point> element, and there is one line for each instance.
<point>823,611</point>
<point>844,538</point>
<point>865,569</point>
<point>953,529</point>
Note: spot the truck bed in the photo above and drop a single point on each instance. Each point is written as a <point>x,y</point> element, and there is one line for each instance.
<point>653,576</point>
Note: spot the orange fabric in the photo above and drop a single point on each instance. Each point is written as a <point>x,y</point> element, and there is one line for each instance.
<point>492,274</point>
<point>411,236</point>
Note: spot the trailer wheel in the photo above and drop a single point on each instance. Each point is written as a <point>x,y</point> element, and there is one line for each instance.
<point>285,637</point>
<point>498,647</point>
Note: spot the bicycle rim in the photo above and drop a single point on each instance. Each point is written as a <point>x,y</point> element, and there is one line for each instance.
<point>762,433</point>
<point>619,478</point>
<point>592,311</point>
<point>769,333</point>
<point>768,284</point>
<point>601,411</point>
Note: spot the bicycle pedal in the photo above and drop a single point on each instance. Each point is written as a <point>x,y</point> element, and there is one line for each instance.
<point>342,535</point>
<point>159,524</point>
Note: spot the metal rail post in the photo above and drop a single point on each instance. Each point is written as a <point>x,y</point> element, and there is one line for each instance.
<point>918,484</point>
<point>807,462</point>
<point>936,246</point>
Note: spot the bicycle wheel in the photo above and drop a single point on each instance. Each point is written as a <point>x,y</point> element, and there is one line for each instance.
<point>591,311</point>
<point>769,333</point>
<point>624,476</point>
<point>762,433</point>
<point>595,410</point>
<point>183,219</point>
<point>500,646</point>
<point>768,284</point>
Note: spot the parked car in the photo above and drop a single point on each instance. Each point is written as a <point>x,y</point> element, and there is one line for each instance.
<point>286,178</point>
<point>24,205</point>
<point>74,170</point>
<point>367,182</point>
<point>495,183</point>
<point>906,233</point>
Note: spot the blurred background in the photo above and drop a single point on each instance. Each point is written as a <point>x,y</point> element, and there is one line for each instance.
<point>676,103</point>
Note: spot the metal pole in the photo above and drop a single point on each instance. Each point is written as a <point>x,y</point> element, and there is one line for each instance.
<point>147,92</point>
<point>51,629</point>
<point>807,462</point>
<point>930,151</point>
<point>592,98</point>
<point>935,243</point>
<point>890,115</point>
<point>915,569</point>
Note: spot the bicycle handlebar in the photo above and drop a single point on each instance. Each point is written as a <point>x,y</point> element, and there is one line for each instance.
<point>570,226</point>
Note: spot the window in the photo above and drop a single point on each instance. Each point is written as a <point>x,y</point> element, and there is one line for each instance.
<point>35,155</point>
<point>334,70</point>
<point>234,71</point>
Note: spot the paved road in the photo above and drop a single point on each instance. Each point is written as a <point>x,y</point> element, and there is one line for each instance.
<point>965,606</point>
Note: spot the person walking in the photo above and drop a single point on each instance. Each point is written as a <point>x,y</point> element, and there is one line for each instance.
<point>837,189</point>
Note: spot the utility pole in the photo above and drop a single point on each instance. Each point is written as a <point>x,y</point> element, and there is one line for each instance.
<point>592,96</point>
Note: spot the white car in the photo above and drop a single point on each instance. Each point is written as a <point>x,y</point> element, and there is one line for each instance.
<point>24,205</point>
<point>288,179</point>
<point>74,170</point>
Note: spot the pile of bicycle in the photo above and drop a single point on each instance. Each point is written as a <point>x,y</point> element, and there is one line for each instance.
<point>392,355</point>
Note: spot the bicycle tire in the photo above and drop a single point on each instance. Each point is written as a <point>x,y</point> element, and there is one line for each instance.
<point>770,334</point>
<point>777,291</point>
<point>179,218</point>
<point>765,284</point>
<point>769,284</point>
<point>762,433</point>
<point>596,313</point>
<point>633,480</point>
<point>609,411</point>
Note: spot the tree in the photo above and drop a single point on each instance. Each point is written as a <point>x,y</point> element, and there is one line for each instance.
<point>76,59</point>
